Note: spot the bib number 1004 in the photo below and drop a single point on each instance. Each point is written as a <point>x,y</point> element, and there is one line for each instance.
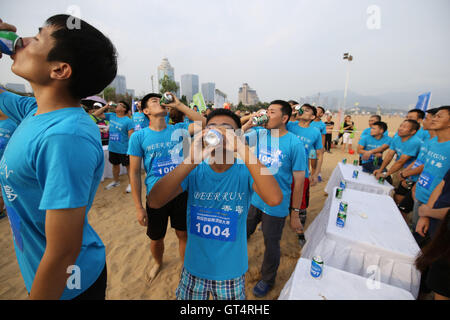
<point>216,231</point>
<point>165,170</point>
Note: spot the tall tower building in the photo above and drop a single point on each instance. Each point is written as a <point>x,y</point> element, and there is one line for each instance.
<point>208,89</point>
<point>120,84</point>
<point>247,95</point>
<point>165,69</point>
<point>189,86</point>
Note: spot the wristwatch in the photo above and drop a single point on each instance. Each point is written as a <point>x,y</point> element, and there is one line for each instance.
<point>295,209</point>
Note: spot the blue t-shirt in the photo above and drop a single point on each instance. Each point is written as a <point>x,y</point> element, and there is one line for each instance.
<point>311,138</point>
<point>422,134</point>
<point>7,128</point>
<point>140,121</point>
<point>366,132</point>
<point>320,126</point>
<point>370,143</point>
<point>53,161</point>
<point>217,210</point>
<point>421,158</point>
<point>282,156</point>
<point>437,163</point>
<point>160,150</point>
<point>410,147</point>
<point>118,132</point>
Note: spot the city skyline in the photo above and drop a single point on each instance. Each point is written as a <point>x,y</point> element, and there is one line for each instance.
<point>396,47</point>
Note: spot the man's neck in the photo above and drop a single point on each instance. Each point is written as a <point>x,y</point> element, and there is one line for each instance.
<point>405,138</point>
<point>443,135</point>
<point>303,123</point>
<point>432,133</point>
<point>120,115</point>
<point>278,132</point>
<point>51,99</point>
<point>157,123</point>
<point>378,136</point>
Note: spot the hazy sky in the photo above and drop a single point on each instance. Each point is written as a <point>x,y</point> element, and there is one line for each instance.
<point>282,49</point>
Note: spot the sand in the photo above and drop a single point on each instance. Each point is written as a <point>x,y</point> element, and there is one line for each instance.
<point>128,248</point>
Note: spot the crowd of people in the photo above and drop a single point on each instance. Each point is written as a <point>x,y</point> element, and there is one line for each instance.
<point>215,193</point>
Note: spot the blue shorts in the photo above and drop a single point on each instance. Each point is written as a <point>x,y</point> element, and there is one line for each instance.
<point>194,288</point>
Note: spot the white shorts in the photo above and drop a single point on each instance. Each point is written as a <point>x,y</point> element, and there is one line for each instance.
<point>346,138</point>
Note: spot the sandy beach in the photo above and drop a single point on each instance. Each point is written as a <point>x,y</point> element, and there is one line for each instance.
<point>128,248</point>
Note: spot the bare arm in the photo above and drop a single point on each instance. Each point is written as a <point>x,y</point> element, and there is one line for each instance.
<point>136,189</point>
<point>389,156</point>
<point>297,193</point>
<point>64,235</point>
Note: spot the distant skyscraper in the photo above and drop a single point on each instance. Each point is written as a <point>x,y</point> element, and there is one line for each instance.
<point>130,92</point>
<point>208,91</point>
<point>247,95</point>
<point>18,87</point>
<point>178,90</point>
<point>120,84</point>
<point>189,86</point>
<point>165,69</point>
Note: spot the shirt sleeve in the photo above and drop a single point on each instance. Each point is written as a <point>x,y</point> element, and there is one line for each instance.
<point>362,141</point>
<point>298,157</point>
<point>134,146</point>
<point>16,107</point>
<point>66,171</point>
<point>185,183</point>
<point>318,144</point>
<point>413,149</point>
<point>130,125</point>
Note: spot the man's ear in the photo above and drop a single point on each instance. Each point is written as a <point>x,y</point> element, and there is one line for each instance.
<point>60,71</point>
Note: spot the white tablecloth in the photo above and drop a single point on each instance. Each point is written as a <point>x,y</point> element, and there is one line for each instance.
<point>381,238</point>
<point>107,171</point>
<point>336,284</point>
<point>364,182</point>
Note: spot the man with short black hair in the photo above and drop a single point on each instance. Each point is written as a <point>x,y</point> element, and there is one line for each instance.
<point>219,196</point>
<point>159,146</point>
<point>54,162</point>
<point>418,115</point>
<point>406,146</point>
<point>284,155</point>
<point>121,127</point>
<point>371,147</point>
<point>312,140</point>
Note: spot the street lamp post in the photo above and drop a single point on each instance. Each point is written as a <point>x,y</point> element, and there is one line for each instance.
<point>349,58</point>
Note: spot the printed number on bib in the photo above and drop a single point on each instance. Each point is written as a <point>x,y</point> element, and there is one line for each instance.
<point>214,224</point>
<point>425,180</point>
<point>164,166</point>
<point>114,137</point>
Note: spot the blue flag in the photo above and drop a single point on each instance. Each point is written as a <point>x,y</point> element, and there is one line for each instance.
<point>424,101</point>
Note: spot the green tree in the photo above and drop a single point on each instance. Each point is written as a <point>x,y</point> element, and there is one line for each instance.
<point>167,85</point>
<point>109,94</point>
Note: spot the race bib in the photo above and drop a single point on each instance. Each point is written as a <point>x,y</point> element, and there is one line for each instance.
<point>425,180</point>
<point>114,137</point>
<point>270,159</point>
<point>16,226</point>
<point>214,224</point>
<point>163,166</point>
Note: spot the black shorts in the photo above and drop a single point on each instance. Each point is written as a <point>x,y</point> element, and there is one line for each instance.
<point>401,190</point>
<point>118,158</point>
<point>97,291</point>
<point>158,218</point>
<point>407,204</point>
<point>438,277</point>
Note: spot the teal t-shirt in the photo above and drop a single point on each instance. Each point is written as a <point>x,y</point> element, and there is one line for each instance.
<point>410,147</point>
<point>217,210</point>
<point>118,132</point>
<point>282,156</point>
<point>52,161</point>
<point>436,165</point>
<point>368,142</point>
<point>320,126</point>
<point>160,150</point>
<point>310,136</point>
<point>7,128</point>
<point>140,121</point>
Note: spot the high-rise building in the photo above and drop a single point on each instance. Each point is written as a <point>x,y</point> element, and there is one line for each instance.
<point>189,86</point>
<point>247,95</point>
<point>208,91</point>
<point>219,98</point>
<point>165,69</point>
<point>120,84</point>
